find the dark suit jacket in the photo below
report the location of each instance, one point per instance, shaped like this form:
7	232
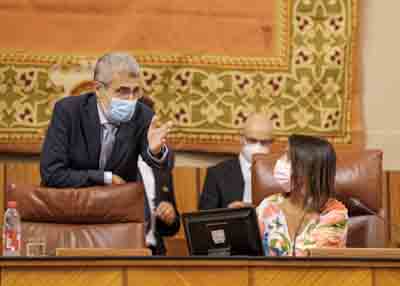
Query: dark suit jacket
164	192
224	184
71	150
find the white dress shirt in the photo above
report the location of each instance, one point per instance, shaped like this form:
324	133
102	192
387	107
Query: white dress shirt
150	190
245	166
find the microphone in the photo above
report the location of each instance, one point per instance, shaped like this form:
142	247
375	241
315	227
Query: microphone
357	203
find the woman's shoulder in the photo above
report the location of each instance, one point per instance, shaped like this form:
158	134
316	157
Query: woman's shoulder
334	213
334	205
273	199
270	203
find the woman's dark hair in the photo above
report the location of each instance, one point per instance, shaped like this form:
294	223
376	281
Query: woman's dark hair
313	162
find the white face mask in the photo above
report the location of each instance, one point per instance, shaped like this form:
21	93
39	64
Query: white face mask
249	150
282	173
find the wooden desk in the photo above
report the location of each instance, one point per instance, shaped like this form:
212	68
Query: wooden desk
107	271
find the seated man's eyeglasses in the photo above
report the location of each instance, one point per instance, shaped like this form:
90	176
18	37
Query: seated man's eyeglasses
263	142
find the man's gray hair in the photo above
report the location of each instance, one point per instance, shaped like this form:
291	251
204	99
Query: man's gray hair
112	63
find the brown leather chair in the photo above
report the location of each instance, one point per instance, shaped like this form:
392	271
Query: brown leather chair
358	175
96	217
84	86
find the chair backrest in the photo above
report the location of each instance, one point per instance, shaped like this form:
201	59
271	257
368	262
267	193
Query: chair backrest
95	217
84	86
358	175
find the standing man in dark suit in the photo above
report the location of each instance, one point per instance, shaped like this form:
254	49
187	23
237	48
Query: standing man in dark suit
159	188
96	138
228	184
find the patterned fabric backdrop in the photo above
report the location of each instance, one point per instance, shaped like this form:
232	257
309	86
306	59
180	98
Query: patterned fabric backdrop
306	87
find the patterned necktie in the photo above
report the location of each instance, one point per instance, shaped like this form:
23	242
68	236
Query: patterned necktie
107	144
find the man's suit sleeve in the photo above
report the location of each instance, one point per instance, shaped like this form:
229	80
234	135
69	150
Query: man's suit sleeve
210	197
54	163
167	194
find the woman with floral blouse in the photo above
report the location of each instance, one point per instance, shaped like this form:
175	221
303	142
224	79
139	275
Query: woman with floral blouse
306	215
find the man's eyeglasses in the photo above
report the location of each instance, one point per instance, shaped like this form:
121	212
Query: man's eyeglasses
124	91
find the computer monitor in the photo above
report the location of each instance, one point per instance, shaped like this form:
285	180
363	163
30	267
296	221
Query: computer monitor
223	232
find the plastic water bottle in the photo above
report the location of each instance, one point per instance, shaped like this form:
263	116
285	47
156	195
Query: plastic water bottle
12	231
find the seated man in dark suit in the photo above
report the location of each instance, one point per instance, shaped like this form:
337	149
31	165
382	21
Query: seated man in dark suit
228	184
96	138
159	188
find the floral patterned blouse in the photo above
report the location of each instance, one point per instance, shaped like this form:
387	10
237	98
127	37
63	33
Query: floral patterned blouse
328	229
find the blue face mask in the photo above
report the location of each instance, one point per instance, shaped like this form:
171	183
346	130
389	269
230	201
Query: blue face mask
121	110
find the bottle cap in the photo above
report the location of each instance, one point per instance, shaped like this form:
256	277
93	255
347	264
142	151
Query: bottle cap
12	204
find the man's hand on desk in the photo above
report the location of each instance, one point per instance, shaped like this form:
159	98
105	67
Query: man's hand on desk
238	205
117	180
166	212
157	136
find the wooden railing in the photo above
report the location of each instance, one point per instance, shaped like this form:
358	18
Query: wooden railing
81	271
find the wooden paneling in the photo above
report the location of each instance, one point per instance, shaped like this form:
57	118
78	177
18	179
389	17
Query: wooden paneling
188	276
62	277
310	276
271	272
22	172
176	245
394	205
385	206
387	277
186	188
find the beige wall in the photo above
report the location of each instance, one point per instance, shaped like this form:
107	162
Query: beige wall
380	74
380	83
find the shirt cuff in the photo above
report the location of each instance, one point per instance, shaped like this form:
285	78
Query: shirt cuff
108	178
163	154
